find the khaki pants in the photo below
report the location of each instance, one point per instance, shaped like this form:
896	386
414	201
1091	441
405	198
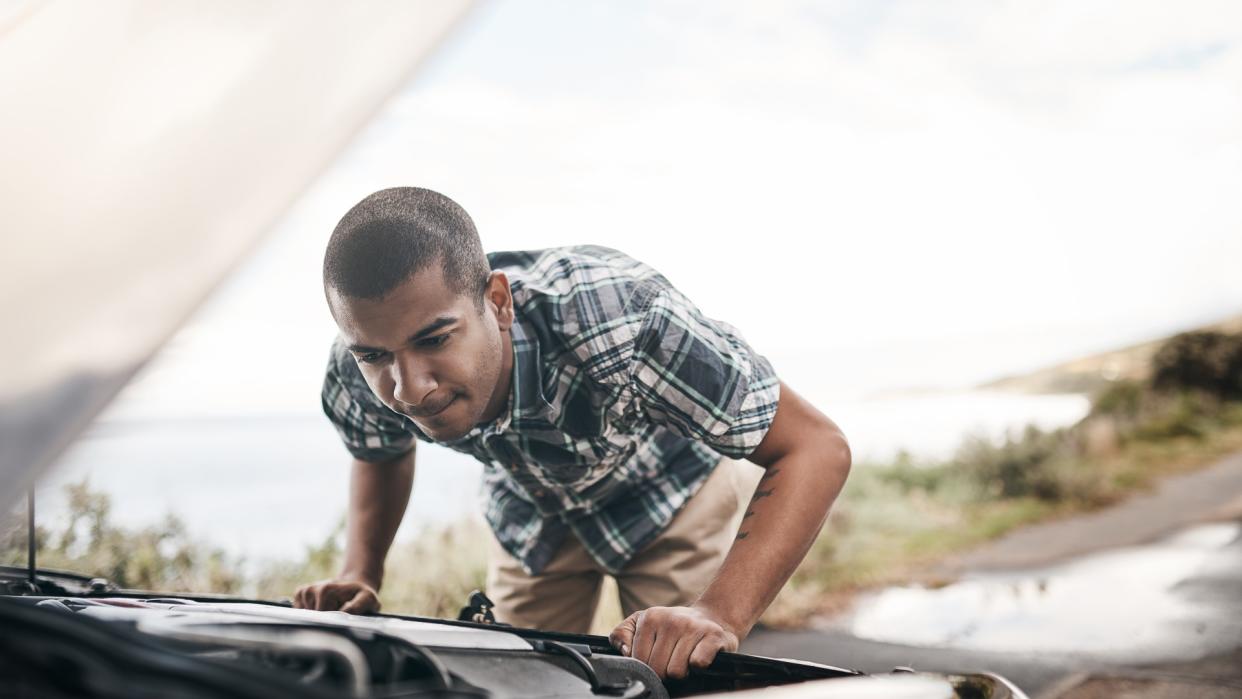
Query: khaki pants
672	570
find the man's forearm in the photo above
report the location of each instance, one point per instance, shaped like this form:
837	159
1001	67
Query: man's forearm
378	496
781	522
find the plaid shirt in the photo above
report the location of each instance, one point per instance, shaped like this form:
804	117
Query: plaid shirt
624	398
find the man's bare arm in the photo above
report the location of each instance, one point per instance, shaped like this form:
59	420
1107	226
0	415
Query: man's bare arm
807	460
378	496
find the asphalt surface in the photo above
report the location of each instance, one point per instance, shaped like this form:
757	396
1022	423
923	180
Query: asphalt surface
1202	652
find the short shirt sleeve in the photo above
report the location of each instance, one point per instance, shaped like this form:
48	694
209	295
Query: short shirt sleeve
699	377
368	428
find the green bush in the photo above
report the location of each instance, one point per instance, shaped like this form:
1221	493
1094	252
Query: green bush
1187	414
1027	465
909	475
1210	362
1172	411
1121	399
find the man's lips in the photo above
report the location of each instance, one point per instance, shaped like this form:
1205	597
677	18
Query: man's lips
430	413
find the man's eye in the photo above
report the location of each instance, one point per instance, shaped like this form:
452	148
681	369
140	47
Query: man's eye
370	357
434	341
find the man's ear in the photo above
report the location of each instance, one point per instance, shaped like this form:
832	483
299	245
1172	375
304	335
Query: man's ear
496	295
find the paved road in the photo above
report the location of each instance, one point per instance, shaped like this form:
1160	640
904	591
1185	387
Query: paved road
1197	612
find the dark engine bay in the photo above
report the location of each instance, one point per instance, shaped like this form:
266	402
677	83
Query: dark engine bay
99	642
111	646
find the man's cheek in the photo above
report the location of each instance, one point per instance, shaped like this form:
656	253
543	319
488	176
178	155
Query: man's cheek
380	386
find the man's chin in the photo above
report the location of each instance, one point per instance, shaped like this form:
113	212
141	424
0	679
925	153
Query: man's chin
444	431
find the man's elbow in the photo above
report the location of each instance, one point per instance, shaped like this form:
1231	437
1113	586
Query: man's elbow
835	450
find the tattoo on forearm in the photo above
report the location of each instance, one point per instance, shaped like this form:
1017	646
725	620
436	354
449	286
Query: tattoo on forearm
759	495
743	535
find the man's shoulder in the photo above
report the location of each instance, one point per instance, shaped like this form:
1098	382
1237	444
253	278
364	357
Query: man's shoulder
337	359
342	377
584	303
580	278
558	262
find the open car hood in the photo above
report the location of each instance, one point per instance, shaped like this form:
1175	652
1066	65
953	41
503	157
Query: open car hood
147	145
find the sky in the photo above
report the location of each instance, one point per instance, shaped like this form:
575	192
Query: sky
880	195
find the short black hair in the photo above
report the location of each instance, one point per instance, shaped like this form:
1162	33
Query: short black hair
394	233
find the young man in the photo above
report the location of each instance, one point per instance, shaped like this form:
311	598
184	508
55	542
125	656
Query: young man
607	411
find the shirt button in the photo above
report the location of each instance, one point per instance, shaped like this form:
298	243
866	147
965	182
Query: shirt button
539	493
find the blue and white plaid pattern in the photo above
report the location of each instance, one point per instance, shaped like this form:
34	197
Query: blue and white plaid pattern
624	398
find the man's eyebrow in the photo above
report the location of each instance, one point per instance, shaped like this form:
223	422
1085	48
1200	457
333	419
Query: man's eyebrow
423	332
432	327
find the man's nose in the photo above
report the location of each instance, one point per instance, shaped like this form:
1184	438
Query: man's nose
412	380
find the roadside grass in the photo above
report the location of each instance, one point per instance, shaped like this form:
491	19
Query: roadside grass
434	573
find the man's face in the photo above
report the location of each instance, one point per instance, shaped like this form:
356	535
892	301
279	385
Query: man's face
431	354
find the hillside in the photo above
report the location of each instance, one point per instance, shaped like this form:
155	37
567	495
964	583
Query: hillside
1085	374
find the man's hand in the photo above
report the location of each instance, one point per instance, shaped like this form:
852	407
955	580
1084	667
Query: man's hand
353	596
378	494
671	640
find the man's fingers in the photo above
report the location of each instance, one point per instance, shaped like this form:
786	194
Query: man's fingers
705	651
312	597
679	658
354	597
622	637
316	596
672	640
644	638
362	603
662	649
333	595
